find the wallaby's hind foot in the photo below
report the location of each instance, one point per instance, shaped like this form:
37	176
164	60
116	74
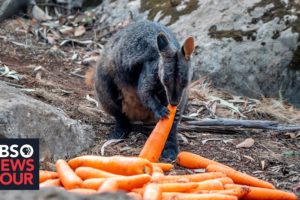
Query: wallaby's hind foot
121	130
170	151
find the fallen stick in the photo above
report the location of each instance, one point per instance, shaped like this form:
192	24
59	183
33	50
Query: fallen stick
225	126
260	124
239	124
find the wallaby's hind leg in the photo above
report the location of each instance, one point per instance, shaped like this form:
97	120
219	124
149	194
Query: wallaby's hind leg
171	147
109	97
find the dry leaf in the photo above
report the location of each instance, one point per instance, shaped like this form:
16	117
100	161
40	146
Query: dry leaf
79	31
51	40
210	139
66	30
249	157
246	143
292	135
183	138
39	14
263	164
107	143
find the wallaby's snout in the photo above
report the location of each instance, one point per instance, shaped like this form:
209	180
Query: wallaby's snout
174	101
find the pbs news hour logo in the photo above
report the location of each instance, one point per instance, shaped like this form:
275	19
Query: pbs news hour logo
19	164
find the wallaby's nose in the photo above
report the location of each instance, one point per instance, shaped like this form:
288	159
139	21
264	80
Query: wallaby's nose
174	102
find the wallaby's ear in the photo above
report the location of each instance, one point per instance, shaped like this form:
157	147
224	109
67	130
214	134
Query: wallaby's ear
188	47
162	41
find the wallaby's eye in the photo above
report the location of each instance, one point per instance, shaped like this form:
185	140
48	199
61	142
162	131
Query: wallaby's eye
166	79
182	82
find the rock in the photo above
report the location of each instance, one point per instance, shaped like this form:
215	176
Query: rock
249	47
59	194
8	8
24	117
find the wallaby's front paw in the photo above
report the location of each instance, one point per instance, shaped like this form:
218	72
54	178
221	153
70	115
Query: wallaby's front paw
161	112
170	151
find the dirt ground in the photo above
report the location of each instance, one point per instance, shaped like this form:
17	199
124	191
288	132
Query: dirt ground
274	156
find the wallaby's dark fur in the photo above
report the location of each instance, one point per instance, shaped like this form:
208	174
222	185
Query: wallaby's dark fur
8	8
143	71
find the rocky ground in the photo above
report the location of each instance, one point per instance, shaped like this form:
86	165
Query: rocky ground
51	70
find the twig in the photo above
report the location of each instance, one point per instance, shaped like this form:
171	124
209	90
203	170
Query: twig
13	84
77	75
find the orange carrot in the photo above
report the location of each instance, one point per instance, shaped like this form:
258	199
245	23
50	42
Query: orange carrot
194	161
67	176
83	191
88	172
239	177
109	185
158	170
164	166
256	193
238	192
177	187
192	196
130	182
209	185
135	196
93	183
225	180
152	192
192	177
50	183
139	190
156	141
45	175
116	164
158	177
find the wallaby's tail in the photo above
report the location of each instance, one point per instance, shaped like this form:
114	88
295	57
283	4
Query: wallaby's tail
90	77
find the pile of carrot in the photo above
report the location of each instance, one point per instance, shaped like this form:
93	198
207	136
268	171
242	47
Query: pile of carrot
144	178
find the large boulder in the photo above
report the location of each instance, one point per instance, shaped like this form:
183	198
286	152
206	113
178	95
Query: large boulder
249	47
22	116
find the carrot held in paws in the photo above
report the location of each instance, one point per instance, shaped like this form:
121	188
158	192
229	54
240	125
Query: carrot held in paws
67	176
115	164
256	193
156	141
194	161
45	175
239	177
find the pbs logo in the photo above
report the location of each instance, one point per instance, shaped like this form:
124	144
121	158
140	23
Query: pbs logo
13	151
26	151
